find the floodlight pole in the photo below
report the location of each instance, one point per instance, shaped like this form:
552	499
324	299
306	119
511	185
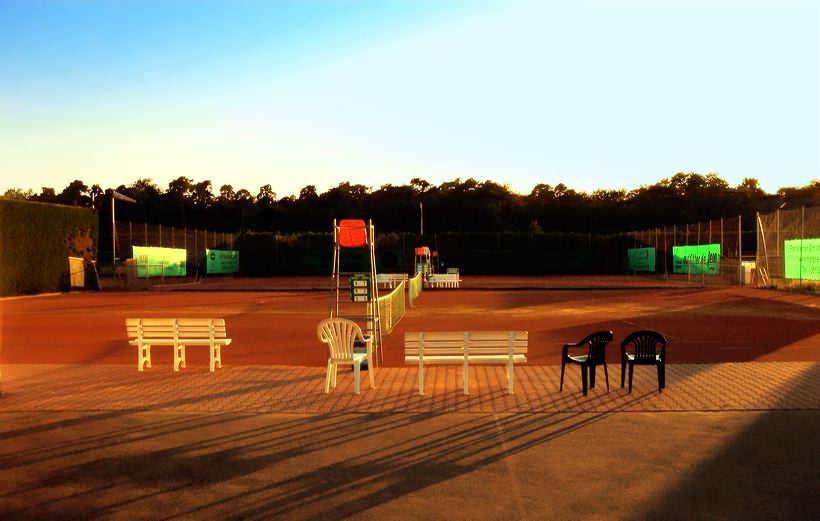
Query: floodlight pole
113	240
116	195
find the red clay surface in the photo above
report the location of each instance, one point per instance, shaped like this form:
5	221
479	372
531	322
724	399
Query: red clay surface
274	327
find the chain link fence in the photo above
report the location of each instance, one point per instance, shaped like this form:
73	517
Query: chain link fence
780	248
193	241
717	251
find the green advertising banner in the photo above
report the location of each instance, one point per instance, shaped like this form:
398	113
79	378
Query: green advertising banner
696	259
802	259
157	262
641	259
221	261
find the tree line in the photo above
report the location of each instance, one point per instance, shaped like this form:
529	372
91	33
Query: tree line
452	206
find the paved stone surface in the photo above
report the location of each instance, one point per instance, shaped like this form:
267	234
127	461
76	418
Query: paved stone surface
286	389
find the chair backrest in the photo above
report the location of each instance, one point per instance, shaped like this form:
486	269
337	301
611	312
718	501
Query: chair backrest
645	343
339	335
597	345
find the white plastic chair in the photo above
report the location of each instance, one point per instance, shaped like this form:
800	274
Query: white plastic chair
339	334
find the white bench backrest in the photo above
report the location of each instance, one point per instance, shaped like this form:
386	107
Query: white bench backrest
443	277
451	343
201	328
186	328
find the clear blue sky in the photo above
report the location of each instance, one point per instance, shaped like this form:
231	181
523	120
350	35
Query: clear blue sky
592	94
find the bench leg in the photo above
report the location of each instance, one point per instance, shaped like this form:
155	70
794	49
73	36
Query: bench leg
179	357
466	379
421	379
510	376
143	356
357	369
215	357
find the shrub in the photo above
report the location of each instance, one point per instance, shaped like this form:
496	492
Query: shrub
36	240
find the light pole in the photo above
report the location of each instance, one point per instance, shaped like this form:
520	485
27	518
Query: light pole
116	195
421	214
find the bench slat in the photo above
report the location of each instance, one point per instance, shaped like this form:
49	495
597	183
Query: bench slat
453	359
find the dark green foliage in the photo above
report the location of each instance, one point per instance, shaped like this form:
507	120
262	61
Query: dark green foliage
36	240
265	254
453	206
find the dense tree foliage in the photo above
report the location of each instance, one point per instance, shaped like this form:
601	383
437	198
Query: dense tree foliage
456	205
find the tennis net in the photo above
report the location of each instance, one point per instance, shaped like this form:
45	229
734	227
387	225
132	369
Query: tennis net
391	309
415	288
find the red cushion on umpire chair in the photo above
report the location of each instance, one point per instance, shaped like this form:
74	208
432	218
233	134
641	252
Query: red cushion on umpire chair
352	233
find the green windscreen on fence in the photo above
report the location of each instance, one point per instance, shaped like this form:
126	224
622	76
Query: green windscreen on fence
802	259
704	258
641	259
221	261
157	262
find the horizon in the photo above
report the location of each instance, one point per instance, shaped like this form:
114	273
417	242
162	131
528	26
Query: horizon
609	95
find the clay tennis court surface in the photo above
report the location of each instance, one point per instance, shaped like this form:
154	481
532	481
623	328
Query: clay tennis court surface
85	436
273	321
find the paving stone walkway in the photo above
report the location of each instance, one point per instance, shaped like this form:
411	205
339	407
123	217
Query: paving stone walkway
286	389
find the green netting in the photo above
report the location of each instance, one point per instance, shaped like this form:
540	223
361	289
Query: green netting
156	262
802	259
221	261
696	259
641	259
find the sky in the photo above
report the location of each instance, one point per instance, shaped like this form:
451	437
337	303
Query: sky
595	94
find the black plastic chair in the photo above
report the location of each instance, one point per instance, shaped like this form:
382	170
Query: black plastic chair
645	344
595	356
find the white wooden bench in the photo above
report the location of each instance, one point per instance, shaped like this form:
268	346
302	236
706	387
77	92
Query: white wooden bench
179	333
466	347
443	280
390	280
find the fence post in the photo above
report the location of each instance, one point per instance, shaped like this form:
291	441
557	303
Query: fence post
802	236
722	246
740	249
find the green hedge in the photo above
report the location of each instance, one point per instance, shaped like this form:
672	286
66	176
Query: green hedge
36	240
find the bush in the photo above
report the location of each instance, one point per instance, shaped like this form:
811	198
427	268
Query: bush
36	240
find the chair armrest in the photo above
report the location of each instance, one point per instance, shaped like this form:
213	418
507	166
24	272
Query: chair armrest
368	342
568	346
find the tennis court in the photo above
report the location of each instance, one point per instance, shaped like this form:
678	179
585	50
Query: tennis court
273	321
